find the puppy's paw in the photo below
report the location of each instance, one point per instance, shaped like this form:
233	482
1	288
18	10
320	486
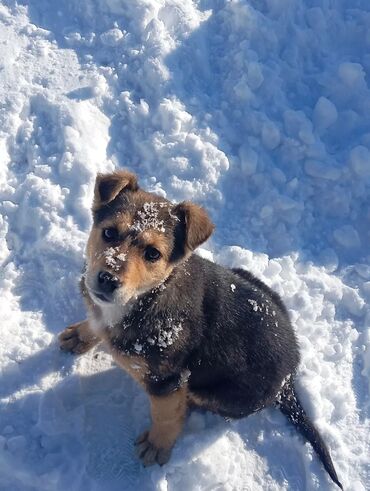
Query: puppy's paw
77	339
149	453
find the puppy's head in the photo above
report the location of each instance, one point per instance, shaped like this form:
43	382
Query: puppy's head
137	239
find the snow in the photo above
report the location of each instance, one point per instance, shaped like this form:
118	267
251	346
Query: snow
360	161
148	218
113	257
324	114
259	112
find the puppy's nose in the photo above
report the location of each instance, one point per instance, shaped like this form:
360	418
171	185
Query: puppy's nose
107	282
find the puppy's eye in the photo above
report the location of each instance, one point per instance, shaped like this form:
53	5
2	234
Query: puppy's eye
110	234
152	254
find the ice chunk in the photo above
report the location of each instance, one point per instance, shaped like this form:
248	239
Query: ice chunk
353	301
16	443
352	74
321	170
347	236
360	161
329	260
270	135
255	77
248	160
273	269
324	114
112	37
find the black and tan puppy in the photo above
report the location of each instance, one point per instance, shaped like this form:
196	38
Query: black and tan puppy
192	333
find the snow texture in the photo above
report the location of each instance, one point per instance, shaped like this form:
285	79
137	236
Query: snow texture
148	218
259	111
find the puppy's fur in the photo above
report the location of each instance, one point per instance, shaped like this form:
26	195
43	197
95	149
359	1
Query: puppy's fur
191	332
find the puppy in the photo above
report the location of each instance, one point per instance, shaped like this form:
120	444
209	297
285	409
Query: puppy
191	332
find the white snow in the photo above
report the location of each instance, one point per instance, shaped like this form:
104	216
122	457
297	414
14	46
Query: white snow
148	218
114	258
360	161
324	114
257	110
167	335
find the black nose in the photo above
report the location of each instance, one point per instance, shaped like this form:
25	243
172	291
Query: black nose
107	282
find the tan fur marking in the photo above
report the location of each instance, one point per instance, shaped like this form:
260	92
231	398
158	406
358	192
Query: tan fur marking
195	400
201	402
168	415
96	246
122	220
160	242
78	338
156	239
140	275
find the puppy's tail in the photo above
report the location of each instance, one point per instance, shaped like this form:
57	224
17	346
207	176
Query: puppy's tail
289	404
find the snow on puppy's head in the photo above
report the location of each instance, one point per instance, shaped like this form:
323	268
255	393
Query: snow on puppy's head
137	238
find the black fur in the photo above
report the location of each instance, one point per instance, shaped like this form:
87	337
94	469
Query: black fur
290	405
119	203
233	333
231	339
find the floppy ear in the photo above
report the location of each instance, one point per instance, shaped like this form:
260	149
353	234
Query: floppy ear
108	186
195	223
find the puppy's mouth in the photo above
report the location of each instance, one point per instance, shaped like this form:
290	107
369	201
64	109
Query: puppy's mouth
101	296
118	296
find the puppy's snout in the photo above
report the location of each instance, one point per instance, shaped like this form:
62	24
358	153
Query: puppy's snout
107	282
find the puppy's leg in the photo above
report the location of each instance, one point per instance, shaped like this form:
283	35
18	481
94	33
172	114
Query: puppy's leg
78	338
168	415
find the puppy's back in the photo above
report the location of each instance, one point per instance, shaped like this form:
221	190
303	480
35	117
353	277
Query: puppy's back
248	338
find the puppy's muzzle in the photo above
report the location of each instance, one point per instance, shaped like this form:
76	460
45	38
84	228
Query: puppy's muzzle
106	284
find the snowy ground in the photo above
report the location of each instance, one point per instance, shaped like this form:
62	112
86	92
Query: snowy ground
259	110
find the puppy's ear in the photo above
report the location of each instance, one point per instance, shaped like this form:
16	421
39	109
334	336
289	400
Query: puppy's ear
108	186
196	226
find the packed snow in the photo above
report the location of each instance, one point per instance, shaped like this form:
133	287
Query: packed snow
259	111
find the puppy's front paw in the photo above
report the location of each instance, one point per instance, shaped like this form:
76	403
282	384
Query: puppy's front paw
149	453
77	339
